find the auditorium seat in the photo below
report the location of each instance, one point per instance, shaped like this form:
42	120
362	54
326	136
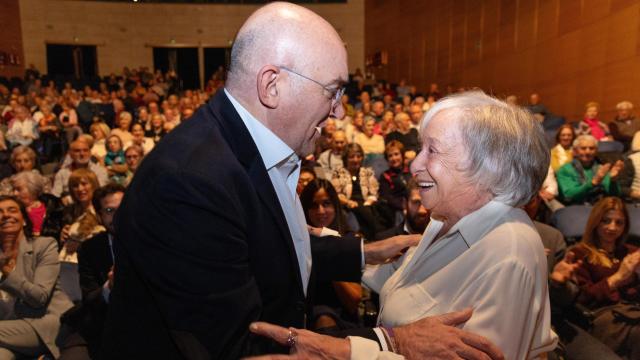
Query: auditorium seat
571	221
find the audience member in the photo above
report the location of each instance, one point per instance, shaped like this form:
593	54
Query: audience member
99	131
393	181
79	220
590	125
331	160
95	267
416	216
80	159
31	300
607	277
625	125
157	130
124	124
415	110
562	153
405	134
584	179
372	144
22	128
336	300
69	120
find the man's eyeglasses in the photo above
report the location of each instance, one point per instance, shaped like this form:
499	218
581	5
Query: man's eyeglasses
334	94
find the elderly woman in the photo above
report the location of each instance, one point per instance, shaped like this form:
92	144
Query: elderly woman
23	159
584	179
28	187
372	144
99	131
31	300
607	277
481	159
562	153
124	124
625	125
591	125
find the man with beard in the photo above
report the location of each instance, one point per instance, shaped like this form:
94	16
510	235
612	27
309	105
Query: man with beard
416	216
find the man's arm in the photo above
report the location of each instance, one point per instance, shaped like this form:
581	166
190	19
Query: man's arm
434	337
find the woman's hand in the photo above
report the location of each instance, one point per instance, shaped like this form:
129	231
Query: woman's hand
626	270
64	234
72	246
9	262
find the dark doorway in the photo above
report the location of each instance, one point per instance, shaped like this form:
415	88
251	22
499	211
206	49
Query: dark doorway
213	59
184	61
79	61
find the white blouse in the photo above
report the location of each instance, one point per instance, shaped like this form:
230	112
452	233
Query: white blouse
493	261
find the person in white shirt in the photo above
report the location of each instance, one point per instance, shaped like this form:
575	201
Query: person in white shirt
481	160
22	129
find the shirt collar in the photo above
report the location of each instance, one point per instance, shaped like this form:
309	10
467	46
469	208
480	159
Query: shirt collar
272	149
475	225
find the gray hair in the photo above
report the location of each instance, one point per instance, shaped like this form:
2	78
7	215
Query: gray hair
507	154
33	180
584	138
624	105
19	150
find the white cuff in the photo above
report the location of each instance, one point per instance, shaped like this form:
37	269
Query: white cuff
106	291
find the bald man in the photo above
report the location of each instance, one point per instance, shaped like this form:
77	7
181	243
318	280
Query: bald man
211	234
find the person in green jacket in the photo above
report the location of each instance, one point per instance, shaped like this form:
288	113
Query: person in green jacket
585	179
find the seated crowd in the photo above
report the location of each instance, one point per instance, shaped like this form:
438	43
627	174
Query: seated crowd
69	153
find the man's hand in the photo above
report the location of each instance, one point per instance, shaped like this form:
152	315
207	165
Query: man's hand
308	345
437	337
380	252
600	174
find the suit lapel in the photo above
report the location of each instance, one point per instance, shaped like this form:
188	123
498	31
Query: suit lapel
235	132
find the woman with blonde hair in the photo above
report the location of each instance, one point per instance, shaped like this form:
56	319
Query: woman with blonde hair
79	219
100	131
562	153
591	125
607	277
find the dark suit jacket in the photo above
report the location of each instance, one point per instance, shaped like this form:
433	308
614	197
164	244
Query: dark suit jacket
203	249
94	264
394	231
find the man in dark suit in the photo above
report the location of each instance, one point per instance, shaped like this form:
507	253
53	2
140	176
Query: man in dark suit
416	216
211	235
95	267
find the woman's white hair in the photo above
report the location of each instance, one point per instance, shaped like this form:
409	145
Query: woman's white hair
34	182
507	154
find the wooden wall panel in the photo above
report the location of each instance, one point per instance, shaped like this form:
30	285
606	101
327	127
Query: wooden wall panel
569	51
11	37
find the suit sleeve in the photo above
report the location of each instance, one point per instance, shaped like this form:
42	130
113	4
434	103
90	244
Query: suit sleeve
337	258
192	253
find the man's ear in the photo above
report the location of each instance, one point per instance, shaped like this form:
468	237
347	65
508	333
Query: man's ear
268	86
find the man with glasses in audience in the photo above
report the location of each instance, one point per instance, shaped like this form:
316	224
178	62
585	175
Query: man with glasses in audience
95	267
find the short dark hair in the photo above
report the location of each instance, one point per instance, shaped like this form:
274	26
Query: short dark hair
103	192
